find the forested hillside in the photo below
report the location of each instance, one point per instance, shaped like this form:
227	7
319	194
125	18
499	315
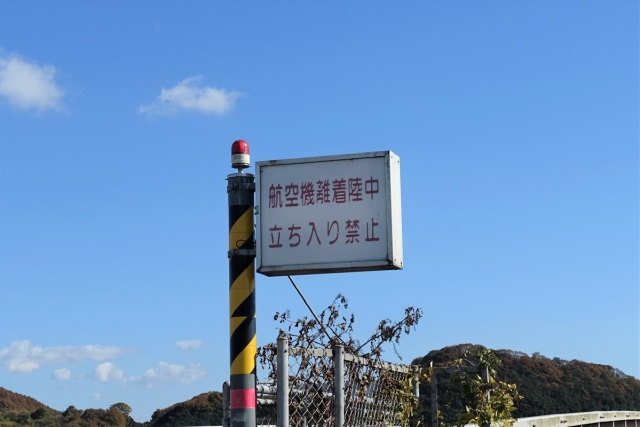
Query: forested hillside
549	386
203	410
18	410
10	401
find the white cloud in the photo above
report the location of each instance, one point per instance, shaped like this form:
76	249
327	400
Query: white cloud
61	374
187	95
27	85
23	358
161	373
186	345
96	396
164	372
108	372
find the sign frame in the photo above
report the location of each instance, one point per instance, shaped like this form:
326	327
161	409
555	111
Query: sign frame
394	253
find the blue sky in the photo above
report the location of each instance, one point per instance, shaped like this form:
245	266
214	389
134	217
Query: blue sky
516	123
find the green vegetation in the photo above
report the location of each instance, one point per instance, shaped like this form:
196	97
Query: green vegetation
71	417
486	401
202	410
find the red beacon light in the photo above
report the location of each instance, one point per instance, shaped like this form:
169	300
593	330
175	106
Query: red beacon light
240	155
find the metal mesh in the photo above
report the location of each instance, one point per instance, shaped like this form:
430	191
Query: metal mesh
370	390
375	392
266	415
311	402
372	395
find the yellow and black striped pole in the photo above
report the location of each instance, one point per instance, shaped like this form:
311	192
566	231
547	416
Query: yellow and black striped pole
242	299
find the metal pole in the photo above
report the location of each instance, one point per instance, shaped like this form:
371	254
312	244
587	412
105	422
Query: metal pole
282	391
225	404
416	392
338	384
484	375
416	381
242	302
434	400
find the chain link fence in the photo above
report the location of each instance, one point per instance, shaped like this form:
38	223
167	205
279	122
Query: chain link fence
373	394
328	388
311	387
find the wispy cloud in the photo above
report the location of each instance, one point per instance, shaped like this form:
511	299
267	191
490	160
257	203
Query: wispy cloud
22	357
61	374
163	372
186	345
189	96
96	396
26	85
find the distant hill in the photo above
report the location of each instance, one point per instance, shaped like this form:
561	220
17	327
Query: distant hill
202	410
10	401
549	386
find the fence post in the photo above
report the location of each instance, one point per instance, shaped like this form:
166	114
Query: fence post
338	384
484	375
225	404
434	400
416	381
282	382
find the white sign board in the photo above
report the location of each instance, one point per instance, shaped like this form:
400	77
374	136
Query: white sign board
329	214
